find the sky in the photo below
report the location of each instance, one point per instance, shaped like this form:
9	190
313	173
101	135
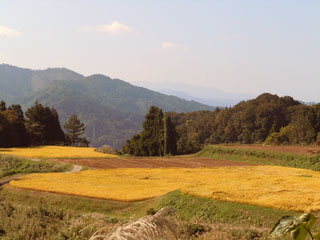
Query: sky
239	46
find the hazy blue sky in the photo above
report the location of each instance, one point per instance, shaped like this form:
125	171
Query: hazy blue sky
237	46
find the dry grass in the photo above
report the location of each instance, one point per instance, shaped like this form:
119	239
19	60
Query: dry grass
277	187
163	225
54	152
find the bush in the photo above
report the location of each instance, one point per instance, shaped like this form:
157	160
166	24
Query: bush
278	138
273	139
106	149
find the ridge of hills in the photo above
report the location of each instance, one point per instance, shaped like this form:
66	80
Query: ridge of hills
111	109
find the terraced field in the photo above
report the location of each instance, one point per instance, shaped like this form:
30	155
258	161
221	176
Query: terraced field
269	186
230	188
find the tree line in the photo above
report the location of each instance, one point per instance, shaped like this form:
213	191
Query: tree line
39	125
267	119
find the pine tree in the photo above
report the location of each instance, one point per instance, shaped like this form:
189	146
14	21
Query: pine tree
169	136
75	129
43	125
152	134
158	137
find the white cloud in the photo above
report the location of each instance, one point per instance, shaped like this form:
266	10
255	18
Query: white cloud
115	28
168	45
9	32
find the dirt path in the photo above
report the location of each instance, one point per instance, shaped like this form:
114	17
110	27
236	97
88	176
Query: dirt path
8	179
76	168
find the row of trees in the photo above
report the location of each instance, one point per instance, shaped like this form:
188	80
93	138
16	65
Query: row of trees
267	119
39	125
158	137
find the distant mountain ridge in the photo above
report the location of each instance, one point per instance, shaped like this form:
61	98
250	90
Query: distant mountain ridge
204	95
112	109
22	81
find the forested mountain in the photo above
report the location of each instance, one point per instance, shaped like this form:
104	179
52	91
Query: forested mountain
111	109
266	119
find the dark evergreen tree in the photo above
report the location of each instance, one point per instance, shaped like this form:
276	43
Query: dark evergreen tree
17	126
152	134
158	137
3	125
12	130
56	132
75	129
170	136
43	125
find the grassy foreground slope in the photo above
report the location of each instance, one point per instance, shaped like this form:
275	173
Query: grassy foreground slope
55	216
261	157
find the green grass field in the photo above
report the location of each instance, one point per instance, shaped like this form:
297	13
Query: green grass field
13	165
261	157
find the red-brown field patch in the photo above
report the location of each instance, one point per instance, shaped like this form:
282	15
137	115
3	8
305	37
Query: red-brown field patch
152	162
303	150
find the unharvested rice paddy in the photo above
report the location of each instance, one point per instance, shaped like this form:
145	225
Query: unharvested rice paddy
54	152
276	187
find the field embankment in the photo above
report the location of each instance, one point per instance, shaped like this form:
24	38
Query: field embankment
268	186
46	152
293	149
298	157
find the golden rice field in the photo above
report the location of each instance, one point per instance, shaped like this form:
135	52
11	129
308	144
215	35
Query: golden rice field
277	187
54	152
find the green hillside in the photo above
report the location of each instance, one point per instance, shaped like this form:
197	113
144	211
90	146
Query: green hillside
112	109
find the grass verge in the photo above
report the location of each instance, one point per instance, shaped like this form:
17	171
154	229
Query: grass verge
261	157
13	165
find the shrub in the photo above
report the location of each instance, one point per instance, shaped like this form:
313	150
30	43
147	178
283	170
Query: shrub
106	149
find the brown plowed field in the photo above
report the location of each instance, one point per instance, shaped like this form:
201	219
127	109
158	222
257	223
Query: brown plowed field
152	162
303	150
